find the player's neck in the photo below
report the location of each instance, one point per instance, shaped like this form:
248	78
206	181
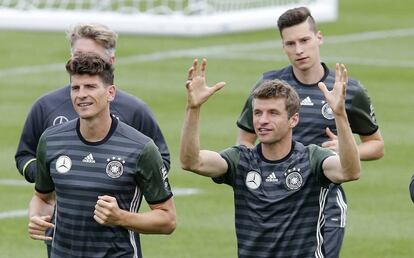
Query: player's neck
97	128
309	76
277	150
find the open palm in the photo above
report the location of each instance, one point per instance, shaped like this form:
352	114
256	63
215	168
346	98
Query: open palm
197	89
336	97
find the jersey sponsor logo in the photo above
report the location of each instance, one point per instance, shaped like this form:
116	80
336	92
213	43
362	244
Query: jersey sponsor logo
89	159
115	167
293	180
272	178
60	120
253	180
327	111
306	102
63	164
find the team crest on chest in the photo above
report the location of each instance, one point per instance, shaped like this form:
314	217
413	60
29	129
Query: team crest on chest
327	111
253	180
115	167
63	164
293	179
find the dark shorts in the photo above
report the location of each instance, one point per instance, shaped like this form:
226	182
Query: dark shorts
333	238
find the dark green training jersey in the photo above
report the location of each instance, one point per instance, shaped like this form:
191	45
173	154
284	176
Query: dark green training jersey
314	117
126	165
278	204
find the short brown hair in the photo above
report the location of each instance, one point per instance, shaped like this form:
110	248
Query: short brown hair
279	89
96	32
294	17
91	64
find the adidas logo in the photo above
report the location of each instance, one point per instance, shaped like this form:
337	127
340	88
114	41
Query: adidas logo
89	159
306	102
272	178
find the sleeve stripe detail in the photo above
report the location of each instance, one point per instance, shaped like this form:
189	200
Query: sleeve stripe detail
26	165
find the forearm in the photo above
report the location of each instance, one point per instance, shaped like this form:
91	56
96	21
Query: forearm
371	146
41	206
190	140
157	221
347	149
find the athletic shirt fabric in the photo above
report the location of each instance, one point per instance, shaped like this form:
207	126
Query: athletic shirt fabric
314	117
278	204
126	165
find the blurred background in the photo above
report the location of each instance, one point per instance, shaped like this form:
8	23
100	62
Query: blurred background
374	38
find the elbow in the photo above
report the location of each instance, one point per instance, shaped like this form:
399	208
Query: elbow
170	225
187	164
170	228
353	174
187	167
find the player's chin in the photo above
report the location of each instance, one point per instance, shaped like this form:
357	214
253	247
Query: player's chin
85	115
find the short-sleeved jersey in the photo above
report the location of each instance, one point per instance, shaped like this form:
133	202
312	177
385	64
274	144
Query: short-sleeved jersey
56	108
126	165
278	204
314	117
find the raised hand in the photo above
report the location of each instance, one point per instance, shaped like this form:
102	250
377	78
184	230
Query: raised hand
336	97
197	89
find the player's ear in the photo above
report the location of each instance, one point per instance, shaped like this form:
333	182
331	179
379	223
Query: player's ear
111	93
319	36
294	120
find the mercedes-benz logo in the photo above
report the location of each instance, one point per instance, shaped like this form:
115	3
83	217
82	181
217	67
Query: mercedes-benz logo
63	164
60	120
253	180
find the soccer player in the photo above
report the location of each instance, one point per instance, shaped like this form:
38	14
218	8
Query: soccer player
301	42
56	107
280	186
99	169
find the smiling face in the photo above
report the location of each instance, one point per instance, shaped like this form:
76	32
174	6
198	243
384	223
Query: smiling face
90	96
301	45
271	120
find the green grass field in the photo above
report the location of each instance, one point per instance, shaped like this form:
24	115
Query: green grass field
373	37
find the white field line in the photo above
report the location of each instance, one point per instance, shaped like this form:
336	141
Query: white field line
329	59
24	213
13	214
220	50
15	182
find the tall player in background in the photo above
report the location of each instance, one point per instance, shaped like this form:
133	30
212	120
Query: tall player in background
55	107
301	41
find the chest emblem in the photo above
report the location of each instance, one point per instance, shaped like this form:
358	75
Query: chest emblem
306	102
294	179
63	164
115	167
253	180
272	178
60	120
327	112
